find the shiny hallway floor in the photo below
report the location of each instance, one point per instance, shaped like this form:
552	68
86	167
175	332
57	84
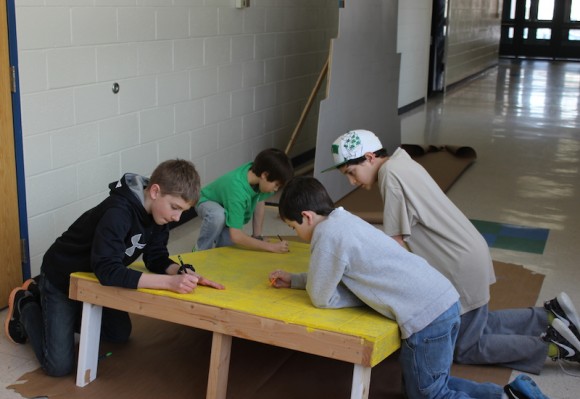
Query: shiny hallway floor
522	119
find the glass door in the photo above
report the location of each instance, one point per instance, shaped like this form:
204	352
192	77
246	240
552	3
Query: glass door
541	29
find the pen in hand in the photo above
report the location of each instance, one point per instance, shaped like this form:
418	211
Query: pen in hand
183	268
280	238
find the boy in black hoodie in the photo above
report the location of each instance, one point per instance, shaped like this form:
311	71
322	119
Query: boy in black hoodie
104	240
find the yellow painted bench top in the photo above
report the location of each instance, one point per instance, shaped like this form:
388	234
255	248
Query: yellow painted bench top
244	273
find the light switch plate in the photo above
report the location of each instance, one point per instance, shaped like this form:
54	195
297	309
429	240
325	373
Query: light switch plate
242	3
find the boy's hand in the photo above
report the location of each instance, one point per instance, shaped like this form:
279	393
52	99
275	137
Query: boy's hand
279	247
183	283
208	283
280	279
200	279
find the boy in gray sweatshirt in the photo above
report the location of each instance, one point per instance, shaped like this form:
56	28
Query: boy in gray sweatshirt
355	264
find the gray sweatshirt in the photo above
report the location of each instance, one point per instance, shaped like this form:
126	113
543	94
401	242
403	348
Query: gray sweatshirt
353	263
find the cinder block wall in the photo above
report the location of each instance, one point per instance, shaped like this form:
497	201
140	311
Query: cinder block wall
197	79
473	40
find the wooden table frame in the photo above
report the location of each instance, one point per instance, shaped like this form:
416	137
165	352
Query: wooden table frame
224	323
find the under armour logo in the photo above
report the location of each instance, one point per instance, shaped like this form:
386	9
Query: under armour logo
135	241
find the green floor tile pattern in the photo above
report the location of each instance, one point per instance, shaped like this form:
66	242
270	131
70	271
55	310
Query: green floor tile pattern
512	237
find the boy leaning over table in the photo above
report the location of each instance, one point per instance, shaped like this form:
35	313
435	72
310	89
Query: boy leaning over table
420	217
132	221
352	263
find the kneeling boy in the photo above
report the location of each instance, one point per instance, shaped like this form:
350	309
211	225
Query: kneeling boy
353	263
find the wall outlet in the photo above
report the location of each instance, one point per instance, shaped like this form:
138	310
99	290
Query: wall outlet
242	3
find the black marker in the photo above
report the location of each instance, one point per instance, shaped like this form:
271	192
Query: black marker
280	238
184	267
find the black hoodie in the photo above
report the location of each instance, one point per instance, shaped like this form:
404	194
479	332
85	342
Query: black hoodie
109	237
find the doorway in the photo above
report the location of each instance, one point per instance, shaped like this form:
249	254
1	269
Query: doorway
437	49
541	29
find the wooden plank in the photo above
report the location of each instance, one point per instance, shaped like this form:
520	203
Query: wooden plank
89	344
307	107
219	366
361	382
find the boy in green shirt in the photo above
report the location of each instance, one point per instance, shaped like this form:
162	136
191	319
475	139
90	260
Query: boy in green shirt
230	201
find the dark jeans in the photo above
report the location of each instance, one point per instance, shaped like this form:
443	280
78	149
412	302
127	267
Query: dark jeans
51	328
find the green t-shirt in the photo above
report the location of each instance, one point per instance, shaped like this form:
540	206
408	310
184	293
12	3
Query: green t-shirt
233	192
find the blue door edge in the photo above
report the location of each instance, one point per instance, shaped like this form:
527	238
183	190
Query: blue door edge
18	145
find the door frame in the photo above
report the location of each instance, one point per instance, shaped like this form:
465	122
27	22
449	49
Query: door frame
557	47
438	47
18	143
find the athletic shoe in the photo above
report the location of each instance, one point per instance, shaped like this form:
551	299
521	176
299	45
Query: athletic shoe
523	387
12	326
31	285
568	344
563	309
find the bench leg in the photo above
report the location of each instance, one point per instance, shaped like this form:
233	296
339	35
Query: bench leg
219	366
89	344
361	382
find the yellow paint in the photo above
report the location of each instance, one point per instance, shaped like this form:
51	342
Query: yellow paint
245	276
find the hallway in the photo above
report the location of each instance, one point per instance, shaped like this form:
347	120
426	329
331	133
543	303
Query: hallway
523	120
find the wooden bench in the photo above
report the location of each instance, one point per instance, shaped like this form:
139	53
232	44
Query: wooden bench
248	308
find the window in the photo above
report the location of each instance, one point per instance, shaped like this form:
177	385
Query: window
574	34
545	10
513	9
543	33
575	10
528	6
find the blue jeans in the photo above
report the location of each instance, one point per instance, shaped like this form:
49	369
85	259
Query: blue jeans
51	328
213	230
426	359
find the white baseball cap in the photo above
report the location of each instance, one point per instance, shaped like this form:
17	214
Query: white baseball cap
352	145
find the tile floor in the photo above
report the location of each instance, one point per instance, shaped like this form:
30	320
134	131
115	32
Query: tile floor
523	120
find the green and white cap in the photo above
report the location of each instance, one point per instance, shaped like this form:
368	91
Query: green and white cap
353	145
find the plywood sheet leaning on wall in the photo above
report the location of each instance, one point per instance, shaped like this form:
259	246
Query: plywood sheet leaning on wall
363	83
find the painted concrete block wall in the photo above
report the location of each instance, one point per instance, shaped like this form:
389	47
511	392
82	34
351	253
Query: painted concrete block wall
413	41
473	41
199	79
